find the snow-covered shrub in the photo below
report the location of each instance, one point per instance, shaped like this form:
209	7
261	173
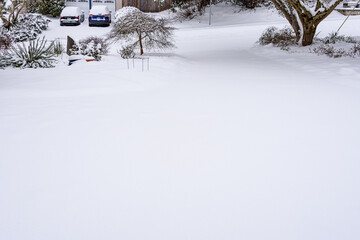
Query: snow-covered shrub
28	27
5	60
37	54
248	4
336	52
90	50
335	37
330	51
282	38
188	12
104	45
136	29
336	46
355	50
47	7
189	9
92	47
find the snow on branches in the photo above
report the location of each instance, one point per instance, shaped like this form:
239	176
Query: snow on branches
305	15
139	30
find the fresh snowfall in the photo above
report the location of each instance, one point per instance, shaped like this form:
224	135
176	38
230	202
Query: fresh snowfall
217	139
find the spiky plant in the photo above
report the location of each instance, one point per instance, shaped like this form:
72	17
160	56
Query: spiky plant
38	54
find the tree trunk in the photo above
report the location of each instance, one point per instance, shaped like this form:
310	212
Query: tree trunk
308	35
296	12
297	30
140	43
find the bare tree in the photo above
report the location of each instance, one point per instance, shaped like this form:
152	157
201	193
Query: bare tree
137	29
15	8
305	15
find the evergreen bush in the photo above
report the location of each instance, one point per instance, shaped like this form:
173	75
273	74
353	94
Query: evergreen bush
189	9
28	27
47	7
248	4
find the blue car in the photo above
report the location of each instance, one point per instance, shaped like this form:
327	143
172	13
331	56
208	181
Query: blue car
99	16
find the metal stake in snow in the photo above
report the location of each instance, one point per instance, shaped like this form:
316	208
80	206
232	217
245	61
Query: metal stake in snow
210	14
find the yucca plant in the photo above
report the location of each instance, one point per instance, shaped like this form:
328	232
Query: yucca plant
38	54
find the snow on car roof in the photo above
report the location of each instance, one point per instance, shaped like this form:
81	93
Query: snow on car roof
99	9
70	11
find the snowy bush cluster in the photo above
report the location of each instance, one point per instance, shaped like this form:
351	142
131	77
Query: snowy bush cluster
137	30
248	4
36	54
28	27
336	46
282	38
92	47
189	9
336	38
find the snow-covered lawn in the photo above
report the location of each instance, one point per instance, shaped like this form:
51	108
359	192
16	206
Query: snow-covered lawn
221	139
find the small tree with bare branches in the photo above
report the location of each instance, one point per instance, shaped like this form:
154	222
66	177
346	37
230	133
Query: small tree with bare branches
305	15
139	30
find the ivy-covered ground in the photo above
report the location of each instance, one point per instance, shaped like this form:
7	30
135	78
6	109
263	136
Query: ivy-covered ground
220	139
